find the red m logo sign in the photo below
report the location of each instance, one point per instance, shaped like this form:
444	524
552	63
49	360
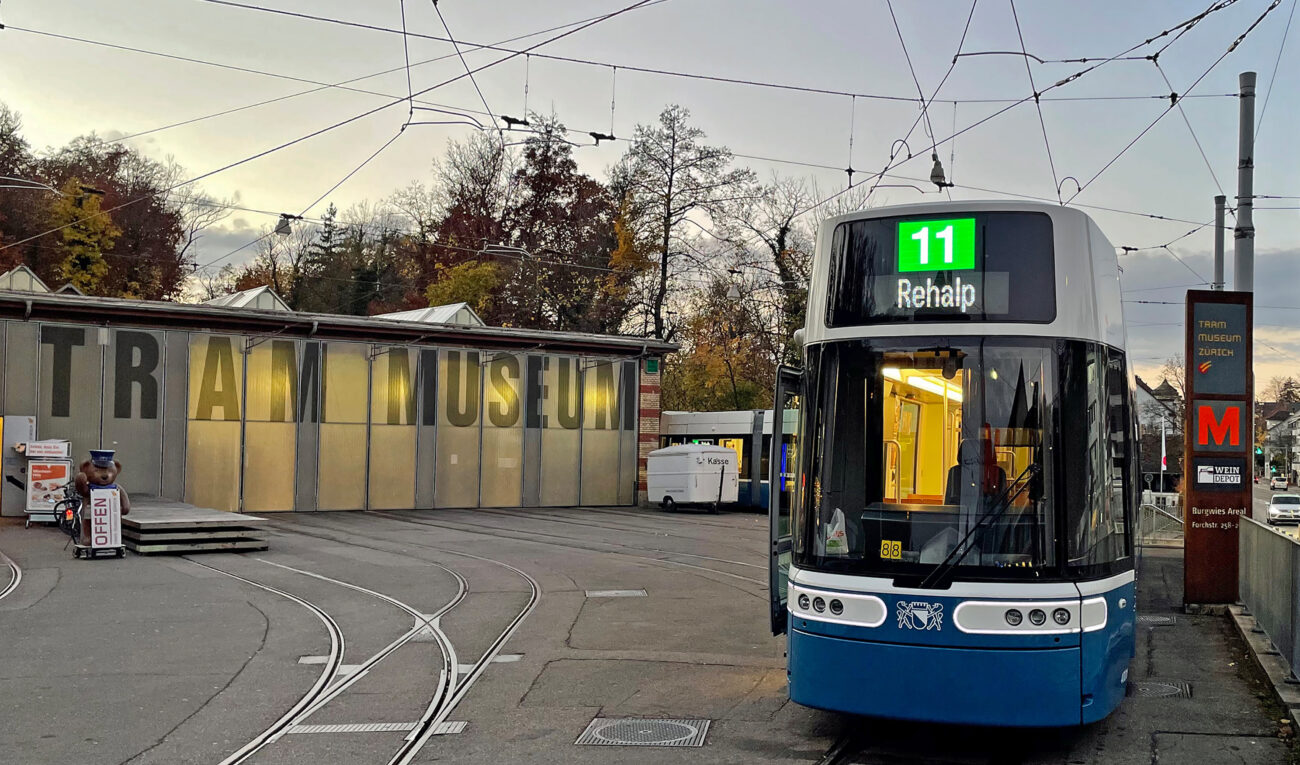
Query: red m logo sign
1226	431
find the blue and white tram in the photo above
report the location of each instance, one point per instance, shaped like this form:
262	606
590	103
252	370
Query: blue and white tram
956	530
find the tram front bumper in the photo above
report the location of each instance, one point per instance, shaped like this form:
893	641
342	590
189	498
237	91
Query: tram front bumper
1011	687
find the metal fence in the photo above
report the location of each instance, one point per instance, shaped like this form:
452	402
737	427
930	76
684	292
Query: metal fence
1159	527
1269	566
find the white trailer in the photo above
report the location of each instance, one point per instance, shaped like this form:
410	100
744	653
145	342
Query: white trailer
693	474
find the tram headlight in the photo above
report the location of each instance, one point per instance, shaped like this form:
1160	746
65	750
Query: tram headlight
1037	617
1061	616
819	605
837	607
804	603
1014	617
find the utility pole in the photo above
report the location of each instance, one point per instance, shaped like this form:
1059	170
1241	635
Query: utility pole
1243	251
1219	202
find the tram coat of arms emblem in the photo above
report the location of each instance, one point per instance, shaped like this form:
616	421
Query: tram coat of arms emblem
920	615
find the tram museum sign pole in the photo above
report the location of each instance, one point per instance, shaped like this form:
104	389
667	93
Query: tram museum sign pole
1218	436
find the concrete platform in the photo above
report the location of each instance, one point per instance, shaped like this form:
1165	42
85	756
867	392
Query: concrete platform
165	526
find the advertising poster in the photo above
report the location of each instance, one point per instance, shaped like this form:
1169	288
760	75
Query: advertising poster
45	480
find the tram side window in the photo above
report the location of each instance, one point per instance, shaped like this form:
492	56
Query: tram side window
1096	496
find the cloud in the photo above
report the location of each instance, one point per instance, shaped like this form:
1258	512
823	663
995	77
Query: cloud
1155	285
218	241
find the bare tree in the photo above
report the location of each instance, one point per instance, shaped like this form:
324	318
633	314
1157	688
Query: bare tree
772	215
671	176
1285	390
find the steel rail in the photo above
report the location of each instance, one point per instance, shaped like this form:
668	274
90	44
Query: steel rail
14	580
447	676
464	528
327	676
420	735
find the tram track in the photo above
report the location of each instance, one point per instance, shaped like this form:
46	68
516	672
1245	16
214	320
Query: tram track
550	519
682	518
447	679
451	687
15	578
531	538
328	673
319	696
421	735
583	520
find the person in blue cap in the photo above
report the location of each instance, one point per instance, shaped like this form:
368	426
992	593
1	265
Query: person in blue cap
99	472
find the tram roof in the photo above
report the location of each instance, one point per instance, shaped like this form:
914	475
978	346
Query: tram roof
1088	294
957	205
154	314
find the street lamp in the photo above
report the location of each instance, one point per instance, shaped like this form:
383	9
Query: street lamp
936	173
284	227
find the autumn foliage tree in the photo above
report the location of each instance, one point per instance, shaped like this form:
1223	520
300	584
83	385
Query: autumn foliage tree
99	215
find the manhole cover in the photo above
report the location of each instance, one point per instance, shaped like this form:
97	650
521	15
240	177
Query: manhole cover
1160	689
1155	620
643	732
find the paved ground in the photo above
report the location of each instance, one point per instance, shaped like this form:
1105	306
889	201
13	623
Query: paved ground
167	660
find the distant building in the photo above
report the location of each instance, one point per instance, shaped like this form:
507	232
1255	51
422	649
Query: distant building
1160	430
241	404
1282	438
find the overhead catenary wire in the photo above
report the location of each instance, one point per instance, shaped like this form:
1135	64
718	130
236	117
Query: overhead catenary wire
1274	4
1184	25
1051	163
332	127
1273	78
660	71
341	85
925	111
456	46
1179	103
924	106
955	132
406	52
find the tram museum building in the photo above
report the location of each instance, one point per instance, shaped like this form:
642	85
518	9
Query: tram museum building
245	406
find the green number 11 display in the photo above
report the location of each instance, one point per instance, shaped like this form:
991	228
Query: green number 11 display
936	245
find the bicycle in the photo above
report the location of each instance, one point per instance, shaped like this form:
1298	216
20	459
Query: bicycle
68	513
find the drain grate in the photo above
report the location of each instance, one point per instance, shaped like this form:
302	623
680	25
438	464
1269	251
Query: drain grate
1154	620
632	731
615	593
1160	689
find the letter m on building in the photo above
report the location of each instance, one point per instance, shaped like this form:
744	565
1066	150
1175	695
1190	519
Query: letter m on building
1225	430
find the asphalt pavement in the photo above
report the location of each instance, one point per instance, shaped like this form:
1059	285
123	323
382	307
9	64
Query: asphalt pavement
1262	496
499	636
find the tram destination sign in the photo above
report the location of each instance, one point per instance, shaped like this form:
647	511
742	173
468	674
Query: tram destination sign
971	266
936	245
1218	439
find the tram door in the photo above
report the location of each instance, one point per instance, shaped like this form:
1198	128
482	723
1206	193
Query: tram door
783	469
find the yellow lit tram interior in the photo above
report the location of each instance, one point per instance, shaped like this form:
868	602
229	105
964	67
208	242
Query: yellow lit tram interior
921	413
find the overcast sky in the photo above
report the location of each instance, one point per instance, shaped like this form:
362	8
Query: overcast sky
65	88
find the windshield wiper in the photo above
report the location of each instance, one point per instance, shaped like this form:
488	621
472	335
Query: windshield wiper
1000	504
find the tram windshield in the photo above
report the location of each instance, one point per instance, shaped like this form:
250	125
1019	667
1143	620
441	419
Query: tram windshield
933	450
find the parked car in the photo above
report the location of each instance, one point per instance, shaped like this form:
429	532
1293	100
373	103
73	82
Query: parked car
1277	482
1284	508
